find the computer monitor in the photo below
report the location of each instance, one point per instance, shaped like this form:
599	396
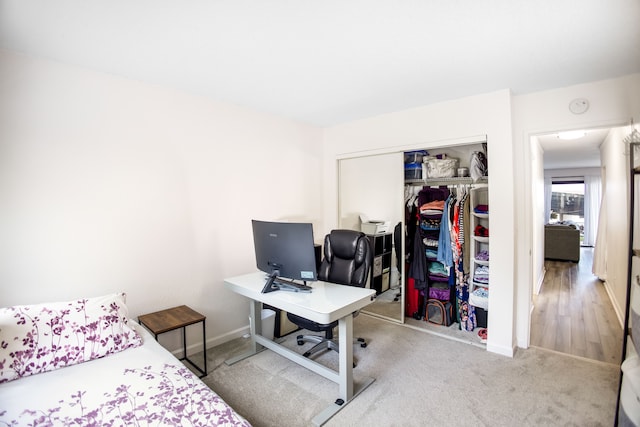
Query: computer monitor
284	250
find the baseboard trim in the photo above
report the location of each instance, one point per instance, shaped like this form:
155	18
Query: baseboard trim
540	281
619	315
196	347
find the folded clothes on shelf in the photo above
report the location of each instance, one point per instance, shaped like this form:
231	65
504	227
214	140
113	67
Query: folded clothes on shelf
481	274
430	223
481	231
433	208
438	269
481	209
430	242
479	298
483	255
433	205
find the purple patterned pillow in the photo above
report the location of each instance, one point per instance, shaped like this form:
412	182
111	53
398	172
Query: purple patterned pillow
44	337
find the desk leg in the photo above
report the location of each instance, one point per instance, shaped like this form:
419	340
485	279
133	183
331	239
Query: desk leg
255	324
255	327
345	338
347	388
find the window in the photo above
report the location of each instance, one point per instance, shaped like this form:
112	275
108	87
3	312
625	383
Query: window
567	203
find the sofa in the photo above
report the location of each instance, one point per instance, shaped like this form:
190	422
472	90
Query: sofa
562	242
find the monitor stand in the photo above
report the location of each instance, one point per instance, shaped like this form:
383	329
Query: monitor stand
274	283
270	286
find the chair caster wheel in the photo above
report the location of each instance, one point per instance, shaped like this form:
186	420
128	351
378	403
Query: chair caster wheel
360	339
300	342
307	354
363	345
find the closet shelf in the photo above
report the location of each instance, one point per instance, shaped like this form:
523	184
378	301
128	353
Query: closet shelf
477	300
446	181
479	222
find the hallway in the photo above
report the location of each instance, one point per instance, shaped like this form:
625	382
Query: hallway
573	313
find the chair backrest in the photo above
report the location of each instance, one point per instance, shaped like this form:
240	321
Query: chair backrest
347	258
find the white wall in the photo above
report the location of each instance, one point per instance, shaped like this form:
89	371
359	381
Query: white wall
616	203
571	172
612	103
440	125
109	184
537	217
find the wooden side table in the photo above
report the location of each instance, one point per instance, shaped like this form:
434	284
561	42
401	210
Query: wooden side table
176	318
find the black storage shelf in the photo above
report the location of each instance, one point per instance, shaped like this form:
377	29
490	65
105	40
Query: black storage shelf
382	246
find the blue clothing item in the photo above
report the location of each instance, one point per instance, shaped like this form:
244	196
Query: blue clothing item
445	255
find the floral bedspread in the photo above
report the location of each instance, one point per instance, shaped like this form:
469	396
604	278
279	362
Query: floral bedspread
143	386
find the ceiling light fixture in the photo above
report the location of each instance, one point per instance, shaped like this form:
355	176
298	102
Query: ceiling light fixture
572	134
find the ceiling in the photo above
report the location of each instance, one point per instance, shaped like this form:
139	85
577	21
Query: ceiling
333	61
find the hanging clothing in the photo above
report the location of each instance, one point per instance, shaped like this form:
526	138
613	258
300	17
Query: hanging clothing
411	221
445	255
466	312
418	268
464	219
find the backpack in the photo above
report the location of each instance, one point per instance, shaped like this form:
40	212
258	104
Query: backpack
478	165
439	312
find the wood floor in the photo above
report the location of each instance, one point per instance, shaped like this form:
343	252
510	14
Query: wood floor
573	313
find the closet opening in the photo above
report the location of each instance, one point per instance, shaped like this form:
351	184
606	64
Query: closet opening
446	276
384	186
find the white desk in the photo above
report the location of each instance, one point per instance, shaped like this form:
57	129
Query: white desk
327	303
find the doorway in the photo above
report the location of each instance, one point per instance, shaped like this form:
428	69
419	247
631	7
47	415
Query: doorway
572	311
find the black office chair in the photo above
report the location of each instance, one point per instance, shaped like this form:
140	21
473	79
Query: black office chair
347	261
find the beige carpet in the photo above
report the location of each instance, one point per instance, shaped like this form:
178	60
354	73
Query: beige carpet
420	380
384	305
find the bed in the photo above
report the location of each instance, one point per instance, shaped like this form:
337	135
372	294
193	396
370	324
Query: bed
86	363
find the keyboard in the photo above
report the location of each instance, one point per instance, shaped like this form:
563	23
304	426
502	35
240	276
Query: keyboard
292	286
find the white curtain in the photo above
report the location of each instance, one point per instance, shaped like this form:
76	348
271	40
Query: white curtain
592	199
547	199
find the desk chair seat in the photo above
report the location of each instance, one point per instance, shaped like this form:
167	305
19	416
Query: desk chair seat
347	261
